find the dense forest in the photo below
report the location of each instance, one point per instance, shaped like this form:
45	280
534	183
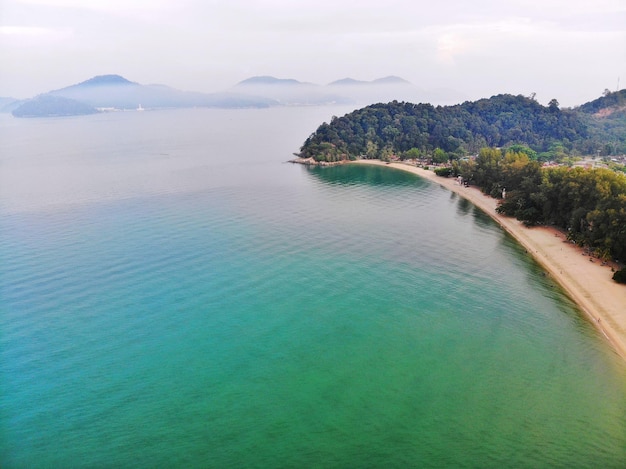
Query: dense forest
499	143
589	205
408	130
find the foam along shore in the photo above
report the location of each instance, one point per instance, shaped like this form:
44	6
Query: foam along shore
584	278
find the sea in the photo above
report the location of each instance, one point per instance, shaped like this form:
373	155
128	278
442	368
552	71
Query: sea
174	293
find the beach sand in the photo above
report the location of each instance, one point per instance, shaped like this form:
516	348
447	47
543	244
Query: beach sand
584	279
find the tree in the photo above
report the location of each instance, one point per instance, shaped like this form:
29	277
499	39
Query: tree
412	154
553	105
518	148
440	156
371	150
487	174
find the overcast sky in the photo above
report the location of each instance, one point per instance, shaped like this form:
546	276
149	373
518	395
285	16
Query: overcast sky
571	50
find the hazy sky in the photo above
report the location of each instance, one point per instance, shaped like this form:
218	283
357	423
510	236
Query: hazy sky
566	49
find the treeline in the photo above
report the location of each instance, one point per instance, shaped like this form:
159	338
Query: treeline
588	204
399	128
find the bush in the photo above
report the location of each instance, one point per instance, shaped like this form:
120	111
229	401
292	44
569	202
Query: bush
445	172
620	276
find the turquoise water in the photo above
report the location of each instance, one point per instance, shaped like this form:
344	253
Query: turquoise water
173	295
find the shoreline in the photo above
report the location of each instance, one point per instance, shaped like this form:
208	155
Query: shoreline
585	280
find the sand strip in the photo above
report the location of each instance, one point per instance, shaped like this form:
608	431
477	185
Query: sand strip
585	280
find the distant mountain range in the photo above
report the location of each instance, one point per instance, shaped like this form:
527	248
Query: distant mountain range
114	92
344	91
290	92
390	80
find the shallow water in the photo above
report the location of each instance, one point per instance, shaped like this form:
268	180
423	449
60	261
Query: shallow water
173	294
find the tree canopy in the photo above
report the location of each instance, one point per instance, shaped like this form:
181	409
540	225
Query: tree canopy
588	204
500	121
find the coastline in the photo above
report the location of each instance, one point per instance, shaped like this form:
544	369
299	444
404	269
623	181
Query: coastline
584	279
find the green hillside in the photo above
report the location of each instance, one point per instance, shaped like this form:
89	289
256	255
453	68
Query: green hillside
379	130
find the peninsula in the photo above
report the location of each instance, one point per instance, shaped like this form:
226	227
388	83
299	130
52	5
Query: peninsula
584	278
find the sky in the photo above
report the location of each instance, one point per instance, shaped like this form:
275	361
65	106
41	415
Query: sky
571	50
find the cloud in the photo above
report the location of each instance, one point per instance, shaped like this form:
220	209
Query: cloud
484	46
103	5
450	46
24	31
569	7
29	35
150	10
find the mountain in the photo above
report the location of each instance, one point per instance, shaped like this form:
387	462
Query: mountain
47	105
105	80
268	80
391	80
114	91
380	90
348	82
392	88
290	92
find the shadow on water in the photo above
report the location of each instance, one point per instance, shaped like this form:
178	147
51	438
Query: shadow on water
481	219
363	174
538	280
463	206
533	279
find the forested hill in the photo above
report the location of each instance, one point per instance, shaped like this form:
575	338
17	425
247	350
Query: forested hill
607	104
380	130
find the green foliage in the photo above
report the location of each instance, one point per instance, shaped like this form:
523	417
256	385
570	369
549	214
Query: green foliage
444	172
608	100
386	153
519	148
411	154
620	276
589	204
328	152
440	156
501	121
553	105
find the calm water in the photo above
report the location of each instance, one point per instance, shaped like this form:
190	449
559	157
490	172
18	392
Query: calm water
174	295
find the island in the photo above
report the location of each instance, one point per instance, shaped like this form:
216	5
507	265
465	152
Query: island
53	106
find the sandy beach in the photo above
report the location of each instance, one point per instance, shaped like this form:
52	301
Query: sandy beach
584	278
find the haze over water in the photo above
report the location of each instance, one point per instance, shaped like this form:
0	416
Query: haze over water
173	294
